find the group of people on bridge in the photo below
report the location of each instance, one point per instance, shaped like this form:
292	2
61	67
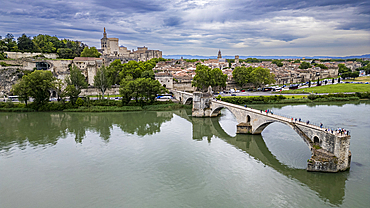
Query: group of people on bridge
338	131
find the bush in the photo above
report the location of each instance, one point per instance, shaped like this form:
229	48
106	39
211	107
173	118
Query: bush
80	102
312	96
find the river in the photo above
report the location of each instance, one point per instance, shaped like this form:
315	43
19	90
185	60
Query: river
169	159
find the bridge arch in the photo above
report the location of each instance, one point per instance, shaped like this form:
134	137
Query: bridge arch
188	101
305	138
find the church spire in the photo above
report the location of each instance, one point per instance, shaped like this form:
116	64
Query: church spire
219	54
104	34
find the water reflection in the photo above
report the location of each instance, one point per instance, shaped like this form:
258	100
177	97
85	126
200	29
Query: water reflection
330	187
39	129
46	128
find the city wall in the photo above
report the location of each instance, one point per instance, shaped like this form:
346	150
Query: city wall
18	55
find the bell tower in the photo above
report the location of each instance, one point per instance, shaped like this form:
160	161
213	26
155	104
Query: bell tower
219	54
104	42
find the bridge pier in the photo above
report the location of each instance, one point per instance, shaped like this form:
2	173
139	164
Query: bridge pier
244	128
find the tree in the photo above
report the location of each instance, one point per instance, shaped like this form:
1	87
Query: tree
114	70
305	65
101	80
10	42
322	66
242	75
90	52
343	68
37	85
127	89
65	53
206	77
22	90
218	78
25	43
58	86
262	76
309	83
148	74
144	90
75	82
277	62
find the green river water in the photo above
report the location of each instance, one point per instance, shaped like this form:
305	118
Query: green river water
169	159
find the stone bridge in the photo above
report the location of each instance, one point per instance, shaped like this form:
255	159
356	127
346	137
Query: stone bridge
330	151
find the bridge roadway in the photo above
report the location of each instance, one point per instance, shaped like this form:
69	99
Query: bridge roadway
330	151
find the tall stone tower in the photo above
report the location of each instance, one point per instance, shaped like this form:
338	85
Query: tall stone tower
237	59
104	42
219	54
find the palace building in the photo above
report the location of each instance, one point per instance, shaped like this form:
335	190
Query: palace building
111	51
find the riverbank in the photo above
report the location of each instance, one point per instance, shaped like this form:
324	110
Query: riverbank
281	99
336	88
99	106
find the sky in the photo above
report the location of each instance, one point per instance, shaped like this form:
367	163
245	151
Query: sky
201	27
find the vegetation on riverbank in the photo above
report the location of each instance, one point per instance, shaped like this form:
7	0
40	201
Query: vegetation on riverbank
277	99
337	88
90	106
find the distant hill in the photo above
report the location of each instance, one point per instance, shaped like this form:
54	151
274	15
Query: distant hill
263	57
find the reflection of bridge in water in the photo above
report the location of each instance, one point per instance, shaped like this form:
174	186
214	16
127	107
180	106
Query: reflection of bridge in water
330	152
255	146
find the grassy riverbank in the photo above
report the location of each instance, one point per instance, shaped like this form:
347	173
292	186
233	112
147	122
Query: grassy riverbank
92	106
280	99
337	88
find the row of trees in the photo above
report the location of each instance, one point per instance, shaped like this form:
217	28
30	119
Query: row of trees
39	83
65	48
205	77
258	76
140	84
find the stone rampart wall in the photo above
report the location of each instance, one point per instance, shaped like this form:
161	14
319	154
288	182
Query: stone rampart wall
18	55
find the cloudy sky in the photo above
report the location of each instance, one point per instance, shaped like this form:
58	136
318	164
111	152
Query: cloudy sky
201	27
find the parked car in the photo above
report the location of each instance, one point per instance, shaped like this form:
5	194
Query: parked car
233	95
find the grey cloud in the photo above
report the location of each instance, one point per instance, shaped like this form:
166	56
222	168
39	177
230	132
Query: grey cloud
172	21
132	6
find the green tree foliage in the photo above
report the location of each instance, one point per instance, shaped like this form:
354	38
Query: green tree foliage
101	80
25	44
252	60
90	52
148	74
36	85
113	71
65	48
58	86
365	68
22	89
277	62
242	75
350	74
10	43
144	90
343	69
75	82
262	76
305	65
297	61
322	66
206	76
